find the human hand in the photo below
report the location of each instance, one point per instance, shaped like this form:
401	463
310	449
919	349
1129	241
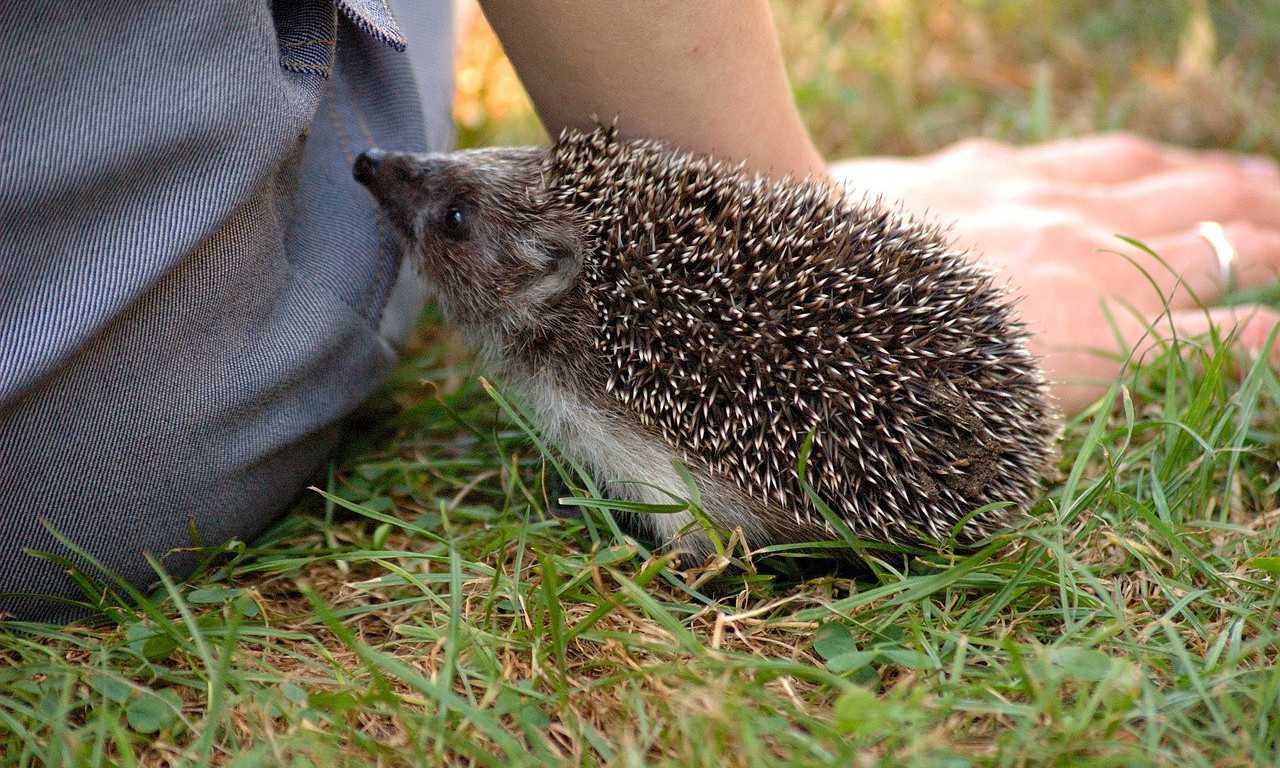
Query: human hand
1046	218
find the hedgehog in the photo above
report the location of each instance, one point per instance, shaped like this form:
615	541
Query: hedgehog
780	340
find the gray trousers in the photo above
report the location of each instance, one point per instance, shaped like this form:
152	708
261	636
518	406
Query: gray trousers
193	289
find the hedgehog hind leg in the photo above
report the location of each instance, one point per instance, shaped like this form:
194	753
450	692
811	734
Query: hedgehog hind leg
631	463
722	506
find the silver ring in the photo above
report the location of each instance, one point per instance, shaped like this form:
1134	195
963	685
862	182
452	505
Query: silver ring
1216	236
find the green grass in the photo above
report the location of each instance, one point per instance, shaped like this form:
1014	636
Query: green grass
422	609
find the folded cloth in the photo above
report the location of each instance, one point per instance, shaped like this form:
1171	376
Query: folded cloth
193	289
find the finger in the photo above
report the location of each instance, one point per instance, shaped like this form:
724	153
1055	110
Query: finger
1166	202
1252	327
1119	157
1105	159
1078	376
1189	261
1179	200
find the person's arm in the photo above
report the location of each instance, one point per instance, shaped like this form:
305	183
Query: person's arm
705	75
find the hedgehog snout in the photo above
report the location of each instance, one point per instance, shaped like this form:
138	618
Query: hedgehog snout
394	180
365	168
389	174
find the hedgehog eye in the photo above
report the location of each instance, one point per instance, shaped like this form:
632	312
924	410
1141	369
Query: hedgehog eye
454	221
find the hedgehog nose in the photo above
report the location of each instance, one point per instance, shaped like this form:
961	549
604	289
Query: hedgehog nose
365	168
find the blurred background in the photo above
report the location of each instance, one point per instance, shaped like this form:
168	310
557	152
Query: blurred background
908	76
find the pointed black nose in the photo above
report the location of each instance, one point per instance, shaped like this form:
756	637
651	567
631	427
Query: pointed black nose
366	165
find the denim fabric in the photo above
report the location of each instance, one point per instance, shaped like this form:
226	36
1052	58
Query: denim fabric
192	286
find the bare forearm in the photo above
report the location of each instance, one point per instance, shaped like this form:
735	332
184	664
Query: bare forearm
705	75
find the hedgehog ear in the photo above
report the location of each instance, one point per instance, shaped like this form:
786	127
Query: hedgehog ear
561	264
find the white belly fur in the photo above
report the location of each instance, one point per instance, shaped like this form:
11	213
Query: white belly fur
615	450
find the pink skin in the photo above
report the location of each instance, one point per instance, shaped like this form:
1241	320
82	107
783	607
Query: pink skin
1047	217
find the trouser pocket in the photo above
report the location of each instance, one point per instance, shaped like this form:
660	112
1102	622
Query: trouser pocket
307	31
